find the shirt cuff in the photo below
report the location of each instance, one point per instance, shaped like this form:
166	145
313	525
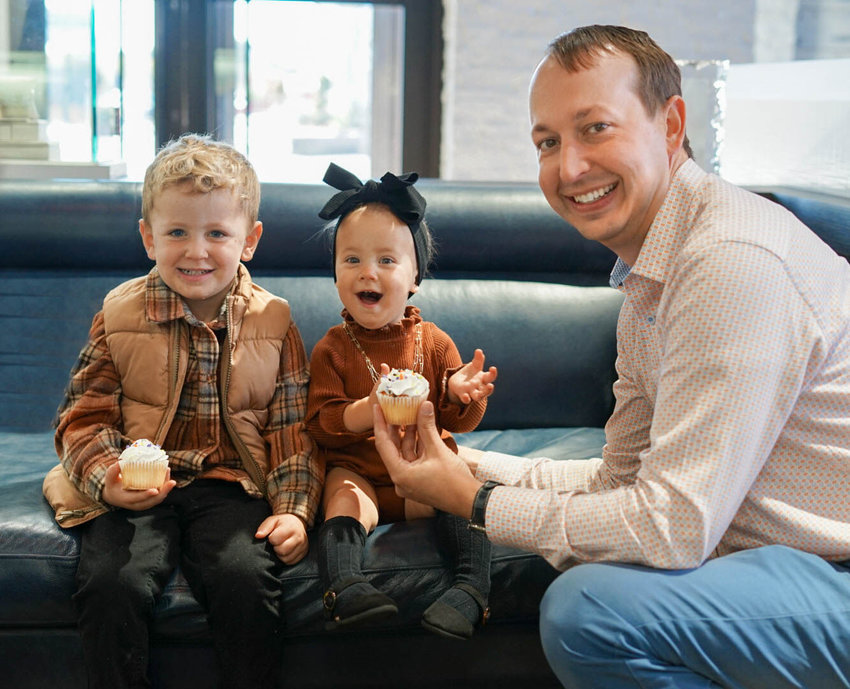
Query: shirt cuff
539	472
295	503
507	469
530	520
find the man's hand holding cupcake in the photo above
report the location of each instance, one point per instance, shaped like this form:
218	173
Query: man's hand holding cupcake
422	467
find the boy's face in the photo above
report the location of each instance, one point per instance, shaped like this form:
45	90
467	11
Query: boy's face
375	266
197	241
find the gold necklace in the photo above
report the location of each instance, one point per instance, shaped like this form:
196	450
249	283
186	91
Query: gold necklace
418	358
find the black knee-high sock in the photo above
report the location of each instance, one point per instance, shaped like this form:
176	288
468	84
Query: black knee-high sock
348	598
469	554
341	542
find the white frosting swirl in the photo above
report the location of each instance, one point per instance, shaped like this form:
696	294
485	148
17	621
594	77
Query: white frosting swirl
403	383
143	451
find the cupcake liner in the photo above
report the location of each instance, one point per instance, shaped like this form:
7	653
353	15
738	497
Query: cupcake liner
142	474
400	411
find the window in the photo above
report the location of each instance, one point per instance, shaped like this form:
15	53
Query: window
294	84
299	97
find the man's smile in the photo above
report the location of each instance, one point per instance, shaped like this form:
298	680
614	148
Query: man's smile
594	195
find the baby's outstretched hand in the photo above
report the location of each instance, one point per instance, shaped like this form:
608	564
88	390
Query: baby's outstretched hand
472	383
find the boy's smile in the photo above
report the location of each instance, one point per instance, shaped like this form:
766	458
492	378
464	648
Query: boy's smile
375	266
198	241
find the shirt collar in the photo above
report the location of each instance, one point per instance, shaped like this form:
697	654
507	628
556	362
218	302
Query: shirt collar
668	230
619	274
162	304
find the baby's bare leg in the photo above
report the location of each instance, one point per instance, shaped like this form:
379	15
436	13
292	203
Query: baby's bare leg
348	494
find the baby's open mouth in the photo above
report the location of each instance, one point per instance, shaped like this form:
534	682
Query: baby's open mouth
369	297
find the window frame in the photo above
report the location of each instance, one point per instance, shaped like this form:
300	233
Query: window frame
184	84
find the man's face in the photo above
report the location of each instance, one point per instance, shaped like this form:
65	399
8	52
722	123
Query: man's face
604	162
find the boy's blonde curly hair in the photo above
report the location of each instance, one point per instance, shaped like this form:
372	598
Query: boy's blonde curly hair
207	165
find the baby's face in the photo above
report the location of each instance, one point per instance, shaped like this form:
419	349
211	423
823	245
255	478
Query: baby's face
197	241
375	266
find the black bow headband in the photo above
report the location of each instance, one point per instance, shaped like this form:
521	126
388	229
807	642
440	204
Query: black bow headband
396	192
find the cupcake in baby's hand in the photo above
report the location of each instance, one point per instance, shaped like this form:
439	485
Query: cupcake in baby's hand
400	393
143	465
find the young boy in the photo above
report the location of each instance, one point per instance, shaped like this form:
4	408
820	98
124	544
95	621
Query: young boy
204	363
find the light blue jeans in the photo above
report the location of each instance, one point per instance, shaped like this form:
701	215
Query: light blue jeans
769	618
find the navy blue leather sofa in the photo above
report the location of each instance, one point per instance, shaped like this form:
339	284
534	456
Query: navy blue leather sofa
510	277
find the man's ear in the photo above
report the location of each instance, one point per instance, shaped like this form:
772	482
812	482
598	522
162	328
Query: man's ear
147	239
675	121
251	241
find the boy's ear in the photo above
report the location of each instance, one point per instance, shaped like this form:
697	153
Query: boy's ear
251	241
147	239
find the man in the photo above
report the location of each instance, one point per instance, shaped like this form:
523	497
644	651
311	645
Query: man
717	520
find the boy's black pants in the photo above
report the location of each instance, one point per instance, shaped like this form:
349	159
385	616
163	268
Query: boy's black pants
128	557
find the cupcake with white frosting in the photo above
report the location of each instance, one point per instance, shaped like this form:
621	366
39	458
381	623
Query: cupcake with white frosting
400	393
143	465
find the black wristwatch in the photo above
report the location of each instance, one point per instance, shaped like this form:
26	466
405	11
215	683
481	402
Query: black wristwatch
476	521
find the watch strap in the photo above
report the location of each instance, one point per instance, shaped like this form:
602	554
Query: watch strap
479	505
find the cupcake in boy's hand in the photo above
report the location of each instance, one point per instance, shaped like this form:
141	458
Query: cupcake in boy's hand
400	393
143	465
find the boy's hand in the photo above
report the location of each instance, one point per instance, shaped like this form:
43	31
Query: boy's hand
116	495
472	382
287	535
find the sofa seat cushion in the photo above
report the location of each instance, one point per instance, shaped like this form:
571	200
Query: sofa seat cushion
38	558
555	443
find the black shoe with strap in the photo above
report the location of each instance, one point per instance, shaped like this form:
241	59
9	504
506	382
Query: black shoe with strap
444	616
349	599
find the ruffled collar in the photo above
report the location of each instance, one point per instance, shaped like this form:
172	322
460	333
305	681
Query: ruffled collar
400	329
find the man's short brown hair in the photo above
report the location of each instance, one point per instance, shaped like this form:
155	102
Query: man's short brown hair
659	77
